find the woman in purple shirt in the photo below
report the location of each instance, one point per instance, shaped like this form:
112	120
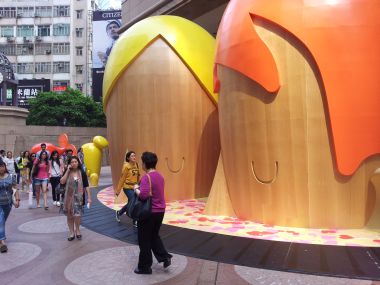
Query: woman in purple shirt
148	230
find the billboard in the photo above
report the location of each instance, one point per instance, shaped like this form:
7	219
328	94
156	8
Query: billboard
28	89
105	27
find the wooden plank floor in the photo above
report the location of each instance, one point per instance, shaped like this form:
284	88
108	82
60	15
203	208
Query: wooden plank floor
339	261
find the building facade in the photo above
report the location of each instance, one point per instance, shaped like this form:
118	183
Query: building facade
49	39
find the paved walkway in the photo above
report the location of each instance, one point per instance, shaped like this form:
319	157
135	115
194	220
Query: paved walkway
39	253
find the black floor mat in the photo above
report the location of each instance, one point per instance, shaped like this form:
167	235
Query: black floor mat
339	261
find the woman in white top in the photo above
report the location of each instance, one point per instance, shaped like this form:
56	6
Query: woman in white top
10	163
56	170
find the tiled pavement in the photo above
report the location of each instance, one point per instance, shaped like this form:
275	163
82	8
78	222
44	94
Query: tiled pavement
39	253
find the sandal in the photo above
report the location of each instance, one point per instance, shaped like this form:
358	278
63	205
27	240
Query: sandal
46	208
79	237
3	248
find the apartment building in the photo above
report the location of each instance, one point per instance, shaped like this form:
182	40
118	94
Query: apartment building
49	39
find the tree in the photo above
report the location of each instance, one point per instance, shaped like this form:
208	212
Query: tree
69	108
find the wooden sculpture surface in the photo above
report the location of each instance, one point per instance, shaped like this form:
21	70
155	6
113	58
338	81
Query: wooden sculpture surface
276	149
157	105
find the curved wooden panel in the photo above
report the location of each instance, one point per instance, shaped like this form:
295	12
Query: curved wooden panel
157	105
258	128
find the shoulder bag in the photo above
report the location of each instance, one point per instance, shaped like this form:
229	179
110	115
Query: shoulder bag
138	209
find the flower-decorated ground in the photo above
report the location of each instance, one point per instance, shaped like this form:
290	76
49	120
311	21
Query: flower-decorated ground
188	214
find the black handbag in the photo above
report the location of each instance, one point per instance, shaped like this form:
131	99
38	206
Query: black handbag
138	209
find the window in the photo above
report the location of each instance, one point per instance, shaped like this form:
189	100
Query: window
8	49
43	11
61	29
25	49
61	67
42	67
8	12
79	69
79	14
42	48
26	67
61	11
79	86
7	31
61	48
61	83
43	31
79	32
25	31
25	12
79	51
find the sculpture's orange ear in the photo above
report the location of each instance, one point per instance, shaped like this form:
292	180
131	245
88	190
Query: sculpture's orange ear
63	140
244	51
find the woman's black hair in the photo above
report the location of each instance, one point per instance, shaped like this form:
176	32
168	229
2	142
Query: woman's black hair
31	154
40	157
77	158
5	165
128	155
149	159
57	159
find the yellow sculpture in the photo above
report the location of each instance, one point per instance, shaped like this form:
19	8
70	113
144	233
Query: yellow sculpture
93	158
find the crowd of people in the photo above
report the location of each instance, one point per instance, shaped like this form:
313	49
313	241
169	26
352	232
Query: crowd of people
32	172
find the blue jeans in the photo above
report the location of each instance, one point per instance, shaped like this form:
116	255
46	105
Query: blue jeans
129	193
4	213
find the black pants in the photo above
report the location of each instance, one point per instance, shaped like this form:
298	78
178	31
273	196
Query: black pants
149	240
54	181
129	193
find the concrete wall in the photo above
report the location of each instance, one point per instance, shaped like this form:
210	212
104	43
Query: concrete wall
16	136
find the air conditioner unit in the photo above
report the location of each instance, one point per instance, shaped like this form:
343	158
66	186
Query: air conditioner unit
60	65
26	40
10	39
19	15
48	51
36	15
38	39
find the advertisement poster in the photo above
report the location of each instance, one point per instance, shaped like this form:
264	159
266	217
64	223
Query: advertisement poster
105	33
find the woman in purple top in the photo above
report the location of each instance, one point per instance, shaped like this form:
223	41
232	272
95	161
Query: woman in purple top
148	230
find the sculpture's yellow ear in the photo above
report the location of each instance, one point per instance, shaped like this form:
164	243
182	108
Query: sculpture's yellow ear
100	142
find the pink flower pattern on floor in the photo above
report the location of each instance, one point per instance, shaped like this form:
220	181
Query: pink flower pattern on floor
188	214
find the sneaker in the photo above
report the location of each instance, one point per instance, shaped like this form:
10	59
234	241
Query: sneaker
118	216
3	248
55	203
58	204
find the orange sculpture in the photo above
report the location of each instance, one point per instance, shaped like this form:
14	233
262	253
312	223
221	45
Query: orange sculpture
63	142
342	37
299	111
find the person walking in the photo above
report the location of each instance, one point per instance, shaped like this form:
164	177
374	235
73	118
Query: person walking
40	171
6	192
24	170
76	185
30	164
130	177
56	170
148	230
